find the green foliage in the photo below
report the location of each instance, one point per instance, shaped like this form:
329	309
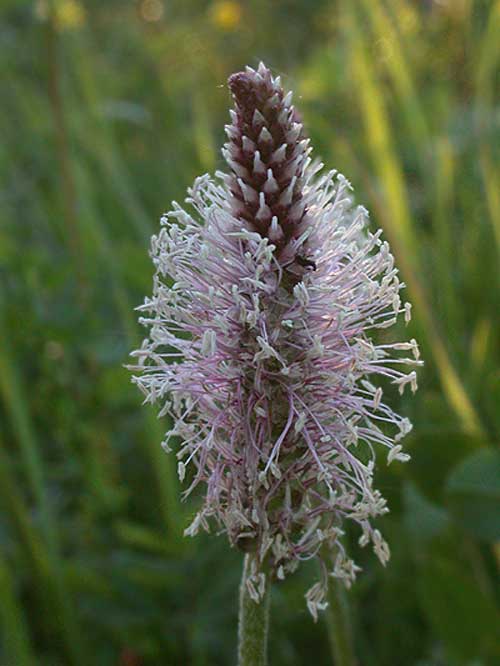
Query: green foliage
473	491
464	618
109	110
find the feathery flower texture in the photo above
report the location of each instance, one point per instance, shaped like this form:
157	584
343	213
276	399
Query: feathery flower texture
266	294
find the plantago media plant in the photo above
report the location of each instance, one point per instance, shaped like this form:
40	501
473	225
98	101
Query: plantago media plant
268	290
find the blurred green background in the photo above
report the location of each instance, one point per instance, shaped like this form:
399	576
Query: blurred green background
109	110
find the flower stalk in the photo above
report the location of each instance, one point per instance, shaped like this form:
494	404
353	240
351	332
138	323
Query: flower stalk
338	622
253	622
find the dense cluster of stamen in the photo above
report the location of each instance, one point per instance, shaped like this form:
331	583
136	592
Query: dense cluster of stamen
270	380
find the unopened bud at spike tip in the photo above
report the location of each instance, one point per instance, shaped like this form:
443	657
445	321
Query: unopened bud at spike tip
270	186
258	120
258	164
272	149
265	136
279	155
248	145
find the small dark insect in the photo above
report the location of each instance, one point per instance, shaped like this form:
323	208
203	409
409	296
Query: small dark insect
306	262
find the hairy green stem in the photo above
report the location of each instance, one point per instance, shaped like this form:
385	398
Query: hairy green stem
253	624
339	624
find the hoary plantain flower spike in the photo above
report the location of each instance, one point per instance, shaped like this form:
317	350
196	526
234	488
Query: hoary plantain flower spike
268	291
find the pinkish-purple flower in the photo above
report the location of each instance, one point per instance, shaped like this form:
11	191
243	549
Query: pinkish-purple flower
268	292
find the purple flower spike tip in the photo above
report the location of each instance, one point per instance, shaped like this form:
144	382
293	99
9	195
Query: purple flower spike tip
268	158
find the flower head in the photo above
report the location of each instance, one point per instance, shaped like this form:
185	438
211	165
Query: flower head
266	296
